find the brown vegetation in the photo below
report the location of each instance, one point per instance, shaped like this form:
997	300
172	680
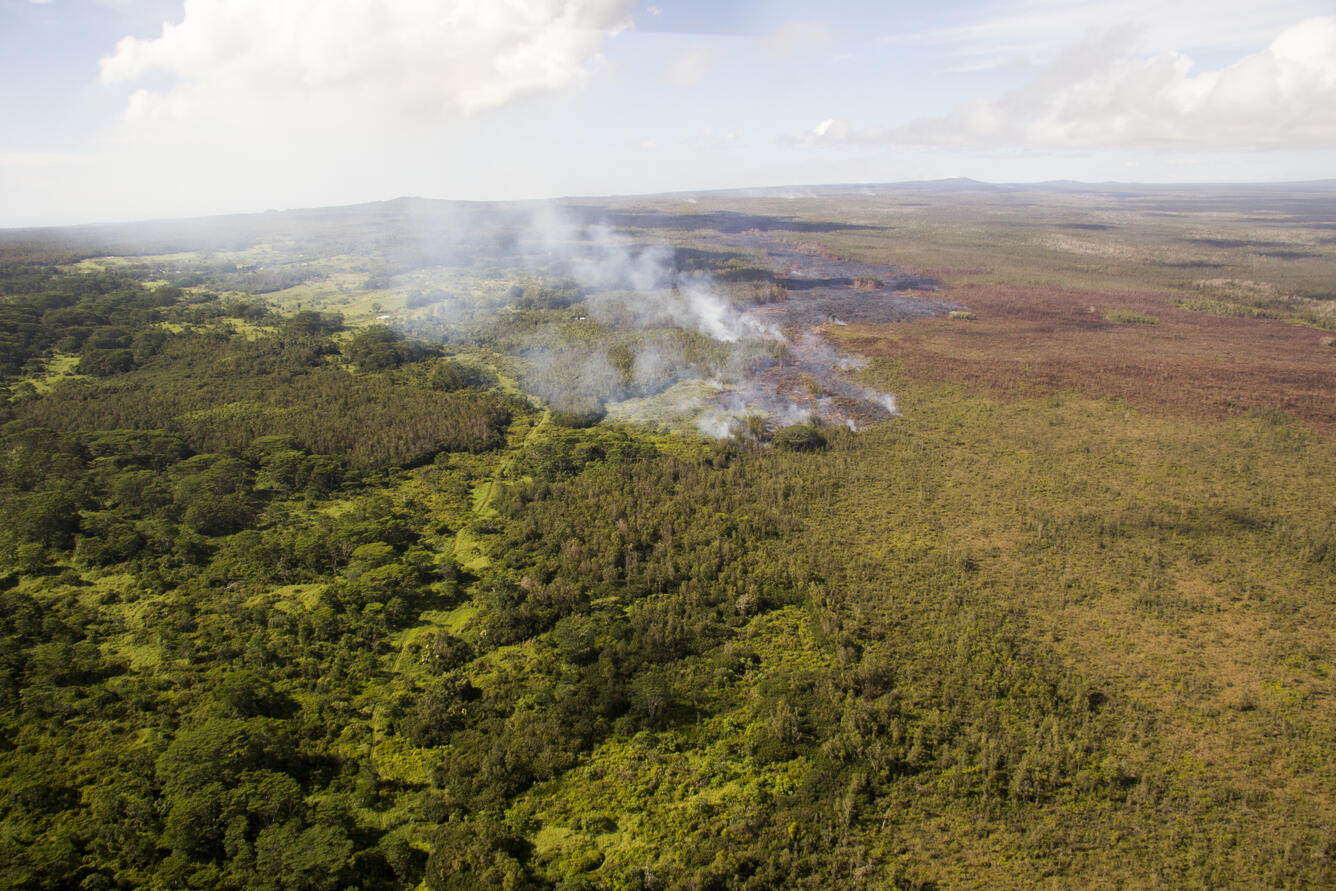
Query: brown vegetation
1029	339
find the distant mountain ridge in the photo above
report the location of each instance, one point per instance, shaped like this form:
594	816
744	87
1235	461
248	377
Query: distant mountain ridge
405	212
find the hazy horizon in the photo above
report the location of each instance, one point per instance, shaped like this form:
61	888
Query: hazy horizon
181	108
818	190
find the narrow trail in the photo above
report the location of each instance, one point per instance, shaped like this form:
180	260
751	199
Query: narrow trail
467	552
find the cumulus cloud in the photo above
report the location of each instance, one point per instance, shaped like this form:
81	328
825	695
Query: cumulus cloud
413	57
1099	93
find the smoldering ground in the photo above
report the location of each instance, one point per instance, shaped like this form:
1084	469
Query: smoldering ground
725	336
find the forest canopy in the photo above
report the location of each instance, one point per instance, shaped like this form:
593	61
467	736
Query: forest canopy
314	577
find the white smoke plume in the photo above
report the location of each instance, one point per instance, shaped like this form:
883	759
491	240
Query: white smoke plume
608	265
716	424
749	371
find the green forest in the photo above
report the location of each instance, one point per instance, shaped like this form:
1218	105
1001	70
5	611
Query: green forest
290	599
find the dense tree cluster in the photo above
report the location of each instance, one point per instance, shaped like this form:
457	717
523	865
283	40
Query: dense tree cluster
100	317
222	393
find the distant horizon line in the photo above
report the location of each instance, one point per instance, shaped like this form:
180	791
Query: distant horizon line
952	183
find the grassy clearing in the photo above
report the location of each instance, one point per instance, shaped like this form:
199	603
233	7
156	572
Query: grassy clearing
58	368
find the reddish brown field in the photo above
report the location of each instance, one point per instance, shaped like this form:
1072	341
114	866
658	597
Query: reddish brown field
1027	340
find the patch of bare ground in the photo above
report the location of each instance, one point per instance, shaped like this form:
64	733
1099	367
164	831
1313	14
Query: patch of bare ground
1030	339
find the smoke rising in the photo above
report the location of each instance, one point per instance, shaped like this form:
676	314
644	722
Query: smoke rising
637	285
600	319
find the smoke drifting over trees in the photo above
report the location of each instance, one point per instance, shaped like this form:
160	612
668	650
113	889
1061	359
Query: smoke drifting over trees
714	331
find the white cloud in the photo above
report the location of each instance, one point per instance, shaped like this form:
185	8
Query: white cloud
689	69
247	104
1100	94
413	58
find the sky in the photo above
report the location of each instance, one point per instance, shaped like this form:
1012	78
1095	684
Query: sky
117	110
